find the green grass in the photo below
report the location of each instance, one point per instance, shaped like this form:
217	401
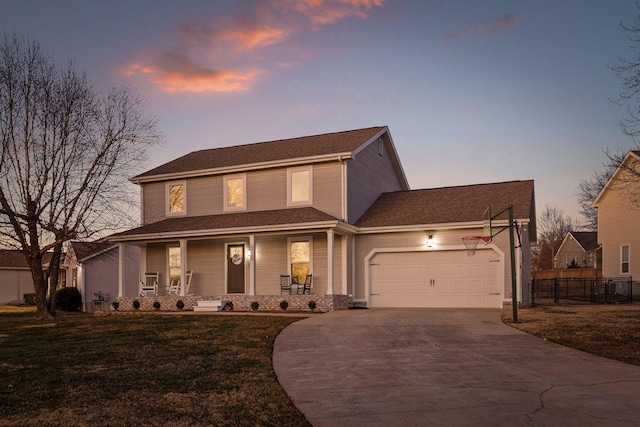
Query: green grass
153	370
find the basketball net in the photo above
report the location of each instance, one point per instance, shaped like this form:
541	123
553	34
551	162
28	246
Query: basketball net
471	243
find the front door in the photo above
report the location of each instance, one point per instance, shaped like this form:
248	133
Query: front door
235	269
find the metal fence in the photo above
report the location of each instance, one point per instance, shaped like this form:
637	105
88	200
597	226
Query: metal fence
599	290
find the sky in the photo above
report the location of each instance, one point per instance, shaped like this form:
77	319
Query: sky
472	91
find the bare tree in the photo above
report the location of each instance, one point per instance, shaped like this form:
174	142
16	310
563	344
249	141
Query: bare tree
66	154
586	193
553	225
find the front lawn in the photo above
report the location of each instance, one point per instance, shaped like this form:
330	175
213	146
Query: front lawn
156	370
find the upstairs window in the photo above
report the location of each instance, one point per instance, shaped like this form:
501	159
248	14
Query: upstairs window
235	191
624	259
300	186
176	198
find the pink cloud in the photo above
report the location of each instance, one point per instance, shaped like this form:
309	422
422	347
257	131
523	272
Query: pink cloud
485	28
176	73
240	39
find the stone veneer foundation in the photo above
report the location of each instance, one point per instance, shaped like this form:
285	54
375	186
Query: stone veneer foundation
271	303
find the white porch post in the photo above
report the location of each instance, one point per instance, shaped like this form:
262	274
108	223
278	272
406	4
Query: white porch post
345	269
353	265
183	267
252	265
330	261
121	248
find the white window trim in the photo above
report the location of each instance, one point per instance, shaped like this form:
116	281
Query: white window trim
309	201
226	178
184	195
300	239
628	262
168	265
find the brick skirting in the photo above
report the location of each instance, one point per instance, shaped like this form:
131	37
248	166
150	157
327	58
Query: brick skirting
241	303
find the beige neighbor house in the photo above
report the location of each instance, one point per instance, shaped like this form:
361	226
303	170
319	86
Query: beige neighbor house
619	220
579	249
15	276
337	207
93	268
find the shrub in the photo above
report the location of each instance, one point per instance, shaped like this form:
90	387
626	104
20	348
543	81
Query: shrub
156	305
312	305
284	305
115	305
180	304
68	299
30	299
136	304
255	305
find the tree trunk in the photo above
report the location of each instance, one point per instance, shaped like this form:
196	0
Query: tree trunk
40	286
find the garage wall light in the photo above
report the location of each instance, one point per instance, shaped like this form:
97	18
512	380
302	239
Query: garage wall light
430	242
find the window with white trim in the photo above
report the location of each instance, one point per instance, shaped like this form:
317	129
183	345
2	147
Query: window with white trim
300	257
235	192
300	186
176	193
175	262
624	259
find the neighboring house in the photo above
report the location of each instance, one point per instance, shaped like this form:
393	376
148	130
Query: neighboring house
15	276
93	267
579	249
337	206
619	219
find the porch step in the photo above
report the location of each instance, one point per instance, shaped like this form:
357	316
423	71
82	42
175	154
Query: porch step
210	305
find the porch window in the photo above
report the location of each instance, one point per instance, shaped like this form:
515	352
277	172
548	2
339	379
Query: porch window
624	259
300	186
300	258
176	198
175	263
235	192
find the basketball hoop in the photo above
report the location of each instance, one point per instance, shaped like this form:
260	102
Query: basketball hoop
471	242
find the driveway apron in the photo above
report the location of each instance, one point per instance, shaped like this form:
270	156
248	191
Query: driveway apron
446	367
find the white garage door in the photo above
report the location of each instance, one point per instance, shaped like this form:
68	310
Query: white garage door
436	279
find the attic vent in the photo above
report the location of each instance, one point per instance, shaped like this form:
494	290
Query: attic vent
380	147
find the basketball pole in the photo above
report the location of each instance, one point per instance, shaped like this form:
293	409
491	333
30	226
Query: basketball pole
514	287
512	253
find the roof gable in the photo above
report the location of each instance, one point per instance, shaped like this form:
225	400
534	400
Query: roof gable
588	240
631	156
336	143
87	250
450	204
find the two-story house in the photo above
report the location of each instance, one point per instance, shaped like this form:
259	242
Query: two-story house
579	249
337	207
618	220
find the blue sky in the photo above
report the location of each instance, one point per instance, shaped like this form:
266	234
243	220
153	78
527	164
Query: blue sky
472	91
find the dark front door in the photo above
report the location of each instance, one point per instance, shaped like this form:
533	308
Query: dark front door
235	269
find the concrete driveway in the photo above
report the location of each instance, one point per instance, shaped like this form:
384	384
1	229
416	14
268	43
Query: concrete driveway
446	367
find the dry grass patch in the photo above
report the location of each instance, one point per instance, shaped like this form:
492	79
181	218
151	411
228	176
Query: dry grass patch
611	331
151	370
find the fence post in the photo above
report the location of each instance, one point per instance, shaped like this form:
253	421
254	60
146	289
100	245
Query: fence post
556	291
533	291
630	289
594	284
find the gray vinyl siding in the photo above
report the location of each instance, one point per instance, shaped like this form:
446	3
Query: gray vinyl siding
327	188
157	262
368	176
204	196
271	262
153	202
206	258
267	190
101	274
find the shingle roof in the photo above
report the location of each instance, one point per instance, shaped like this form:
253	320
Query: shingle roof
228	221
449	204
12	259
308	146
587	239
84	250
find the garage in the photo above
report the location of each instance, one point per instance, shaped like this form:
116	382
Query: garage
436	279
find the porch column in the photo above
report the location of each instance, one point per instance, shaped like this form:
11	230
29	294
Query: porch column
353	265
143	266
252	264
345	269
330	261
121	248
183	267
